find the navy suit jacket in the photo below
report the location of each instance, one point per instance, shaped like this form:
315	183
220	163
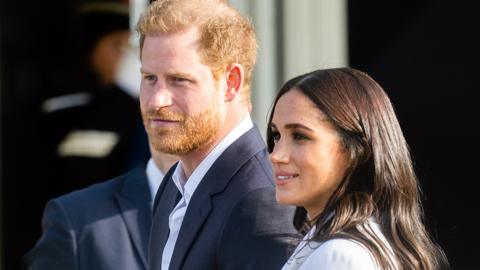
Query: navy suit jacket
104	226
232	221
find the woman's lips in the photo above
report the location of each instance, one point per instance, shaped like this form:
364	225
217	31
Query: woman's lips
282	178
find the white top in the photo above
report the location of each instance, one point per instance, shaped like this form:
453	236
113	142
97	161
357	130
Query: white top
154	177
338	254
187	186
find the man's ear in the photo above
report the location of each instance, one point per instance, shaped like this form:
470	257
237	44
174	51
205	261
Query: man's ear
235	77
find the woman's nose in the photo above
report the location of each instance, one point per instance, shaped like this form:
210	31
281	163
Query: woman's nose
279	153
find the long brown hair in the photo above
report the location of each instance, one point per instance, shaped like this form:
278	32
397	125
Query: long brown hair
380	181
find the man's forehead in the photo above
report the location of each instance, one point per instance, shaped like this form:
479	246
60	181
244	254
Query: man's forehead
189	36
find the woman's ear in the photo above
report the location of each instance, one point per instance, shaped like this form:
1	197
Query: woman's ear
235	77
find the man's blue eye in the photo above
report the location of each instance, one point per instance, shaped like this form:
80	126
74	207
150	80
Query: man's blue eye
149	77
179	80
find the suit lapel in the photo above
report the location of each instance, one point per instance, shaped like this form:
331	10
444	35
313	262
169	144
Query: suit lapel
194	218
165	201
162	187
214	181
134	203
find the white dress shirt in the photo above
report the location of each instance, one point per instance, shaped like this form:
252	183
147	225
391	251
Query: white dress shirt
338	254
154	177
187	186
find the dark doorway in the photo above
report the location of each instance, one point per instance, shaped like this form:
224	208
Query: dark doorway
34	48
426	55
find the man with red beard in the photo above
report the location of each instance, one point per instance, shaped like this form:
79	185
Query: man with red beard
216	208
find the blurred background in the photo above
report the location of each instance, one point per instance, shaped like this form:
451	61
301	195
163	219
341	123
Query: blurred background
68	121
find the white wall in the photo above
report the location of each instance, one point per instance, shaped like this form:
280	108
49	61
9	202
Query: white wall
315	35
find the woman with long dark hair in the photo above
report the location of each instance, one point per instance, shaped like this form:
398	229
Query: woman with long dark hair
340	156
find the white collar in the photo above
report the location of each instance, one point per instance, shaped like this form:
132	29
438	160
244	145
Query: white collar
188	186
154	177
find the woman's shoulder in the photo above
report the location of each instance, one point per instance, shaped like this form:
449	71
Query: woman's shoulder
341	254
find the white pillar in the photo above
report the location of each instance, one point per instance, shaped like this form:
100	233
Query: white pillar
128	75
315	35
264	85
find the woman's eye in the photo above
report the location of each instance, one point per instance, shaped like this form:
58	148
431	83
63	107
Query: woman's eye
275	136
299	136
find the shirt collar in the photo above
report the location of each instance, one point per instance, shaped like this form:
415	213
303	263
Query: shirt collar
154	177
188	186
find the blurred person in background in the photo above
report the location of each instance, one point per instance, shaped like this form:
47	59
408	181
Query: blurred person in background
93	130
90	126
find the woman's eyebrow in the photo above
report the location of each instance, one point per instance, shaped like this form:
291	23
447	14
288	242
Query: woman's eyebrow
296	126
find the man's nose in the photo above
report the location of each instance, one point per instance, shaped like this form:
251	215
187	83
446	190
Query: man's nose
160	97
